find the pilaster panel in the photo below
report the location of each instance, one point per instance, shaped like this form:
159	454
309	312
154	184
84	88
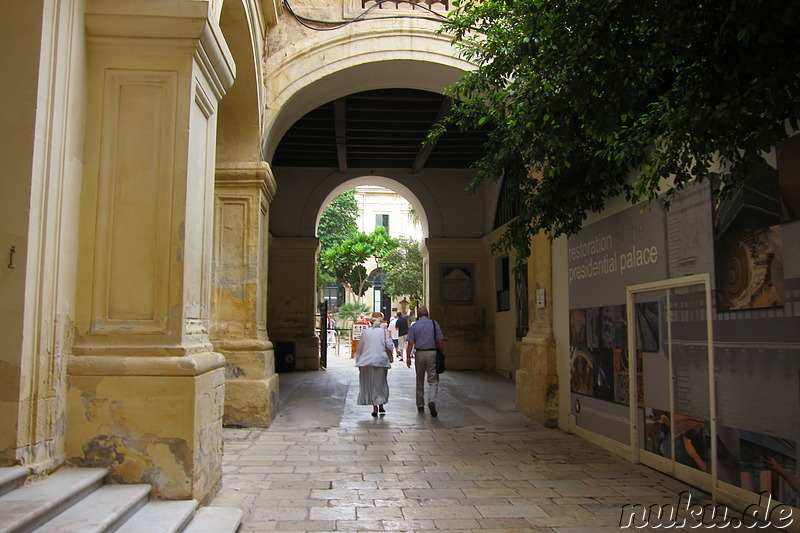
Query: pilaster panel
134	184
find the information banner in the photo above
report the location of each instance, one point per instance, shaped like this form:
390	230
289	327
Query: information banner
621	250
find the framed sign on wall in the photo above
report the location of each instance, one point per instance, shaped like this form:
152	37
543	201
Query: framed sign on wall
458	283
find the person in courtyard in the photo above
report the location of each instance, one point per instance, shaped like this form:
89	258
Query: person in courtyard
424	336
372	360
402	332
331	328
395	334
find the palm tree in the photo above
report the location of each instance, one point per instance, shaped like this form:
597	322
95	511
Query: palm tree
351	311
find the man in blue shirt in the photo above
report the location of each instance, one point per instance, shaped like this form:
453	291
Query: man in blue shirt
425	334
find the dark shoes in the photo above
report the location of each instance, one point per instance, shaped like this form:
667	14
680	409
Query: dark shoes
431	406
381	410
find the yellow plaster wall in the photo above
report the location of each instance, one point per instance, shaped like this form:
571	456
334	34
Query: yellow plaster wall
504	343
18	94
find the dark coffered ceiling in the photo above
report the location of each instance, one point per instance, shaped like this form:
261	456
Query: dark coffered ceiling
378	129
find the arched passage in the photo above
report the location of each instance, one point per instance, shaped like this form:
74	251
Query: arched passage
311	74
454	223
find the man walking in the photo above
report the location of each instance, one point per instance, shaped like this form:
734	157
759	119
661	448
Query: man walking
425	334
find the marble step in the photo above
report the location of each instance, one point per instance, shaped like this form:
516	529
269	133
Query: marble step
215	520
102	510
161	517
75	500
29	506
12	477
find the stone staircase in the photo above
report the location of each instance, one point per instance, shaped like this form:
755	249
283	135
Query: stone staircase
76	500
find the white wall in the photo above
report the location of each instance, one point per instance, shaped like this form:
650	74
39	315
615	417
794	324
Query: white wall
375	200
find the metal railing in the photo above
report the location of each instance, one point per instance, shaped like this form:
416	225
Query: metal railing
406	5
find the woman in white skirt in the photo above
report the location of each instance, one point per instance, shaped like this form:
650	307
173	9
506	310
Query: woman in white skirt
372	360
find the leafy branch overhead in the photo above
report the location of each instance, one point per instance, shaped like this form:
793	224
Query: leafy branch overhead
589	100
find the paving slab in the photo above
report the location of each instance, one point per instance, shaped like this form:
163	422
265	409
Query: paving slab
326	464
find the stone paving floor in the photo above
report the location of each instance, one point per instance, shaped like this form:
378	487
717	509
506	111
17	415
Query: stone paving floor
326	464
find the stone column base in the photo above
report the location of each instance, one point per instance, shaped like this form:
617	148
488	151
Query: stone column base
251	390
307	353
537	382
251	402
537	397
154	420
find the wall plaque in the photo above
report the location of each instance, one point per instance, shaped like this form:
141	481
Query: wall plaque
457	282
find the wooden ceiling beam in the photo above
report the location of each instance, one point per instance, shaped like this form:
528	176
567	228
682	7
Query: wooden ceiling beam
340	119
425	151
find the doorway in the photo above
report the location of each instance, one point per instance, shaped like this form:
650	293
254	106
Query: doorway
670	363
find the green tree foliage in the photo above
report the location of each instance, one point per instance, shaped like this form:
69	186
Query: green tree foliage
336	225
588	100
345	261
338	221
403	267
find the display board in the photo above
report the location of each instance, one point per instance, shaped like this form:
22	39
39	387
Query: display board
750	247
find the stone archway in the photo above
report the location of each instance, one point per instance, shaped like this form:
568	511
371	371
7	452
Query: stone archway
398	226
393	184
452	235
309	69
424	74
241	111
293	259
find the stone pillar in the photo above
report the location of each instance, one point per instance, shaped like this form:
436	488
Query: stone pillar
537	377
292	300
242	196
454	272
145	389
